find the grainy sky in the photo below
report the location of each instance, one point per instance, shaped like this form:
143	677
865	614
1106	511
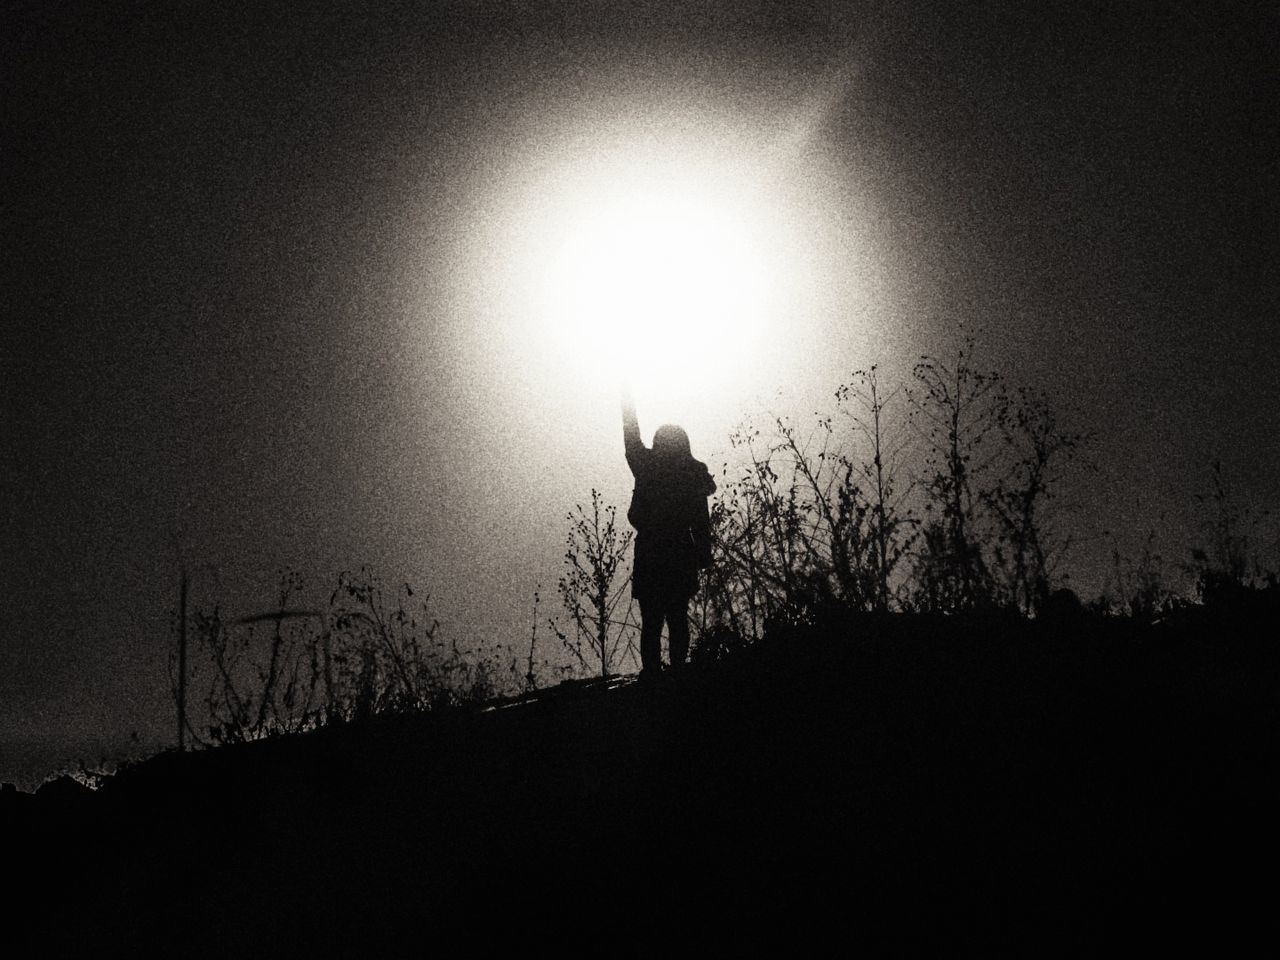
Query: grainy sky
253	318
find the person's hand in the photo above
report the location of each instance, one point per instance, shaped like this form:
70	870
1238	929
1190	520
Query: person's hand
627	401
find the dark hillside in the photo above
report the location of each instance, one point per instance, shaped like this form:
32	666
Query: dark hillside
902	783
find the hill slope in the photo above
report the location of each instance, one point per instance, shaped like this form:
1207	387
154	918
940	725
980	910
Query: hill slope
903	783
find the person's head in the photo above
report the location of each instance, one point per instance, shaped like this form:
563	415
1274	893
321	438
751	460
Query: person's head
670	441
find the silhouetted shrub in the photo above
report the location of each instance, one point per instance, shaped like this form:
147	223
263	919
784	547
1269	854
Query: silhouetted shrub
1231	567
957	410
593	590
716	642
1138	588
836	515
1029	541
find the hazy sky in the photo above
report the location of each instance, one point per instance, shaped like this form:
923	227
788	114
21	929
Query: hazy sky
263	278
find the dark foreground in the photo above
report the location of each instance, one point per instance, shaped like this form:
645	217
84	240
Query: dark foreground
901	785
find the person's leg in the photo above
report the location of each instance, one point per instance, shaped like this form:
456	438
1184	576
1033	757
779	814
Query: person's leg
651	614
677	617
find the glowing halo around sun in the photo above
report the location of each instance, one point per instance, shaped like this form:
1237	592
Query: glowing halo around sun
663	279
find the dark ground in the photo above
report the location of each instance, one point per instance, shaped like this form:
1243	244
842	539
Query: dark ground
903	785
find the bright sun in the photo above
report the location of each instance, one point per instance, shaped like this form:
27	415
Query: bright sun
663	279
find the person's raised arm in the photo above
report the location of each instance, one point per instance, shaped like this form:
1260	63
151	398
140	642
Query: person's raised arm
631	431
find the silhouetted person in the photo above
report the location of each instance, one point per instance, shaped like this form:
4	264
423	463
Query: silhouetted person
673	535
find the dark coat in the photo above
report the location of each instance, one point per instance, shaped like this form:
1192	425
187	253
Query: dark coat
673	527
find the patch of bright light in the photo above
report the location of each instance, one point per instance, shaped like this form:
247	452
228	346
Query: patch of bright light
663	278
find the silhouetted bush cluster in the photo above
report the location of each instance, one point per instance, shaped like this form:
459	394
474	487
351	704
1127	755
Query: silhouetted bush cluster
367	652
937	496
